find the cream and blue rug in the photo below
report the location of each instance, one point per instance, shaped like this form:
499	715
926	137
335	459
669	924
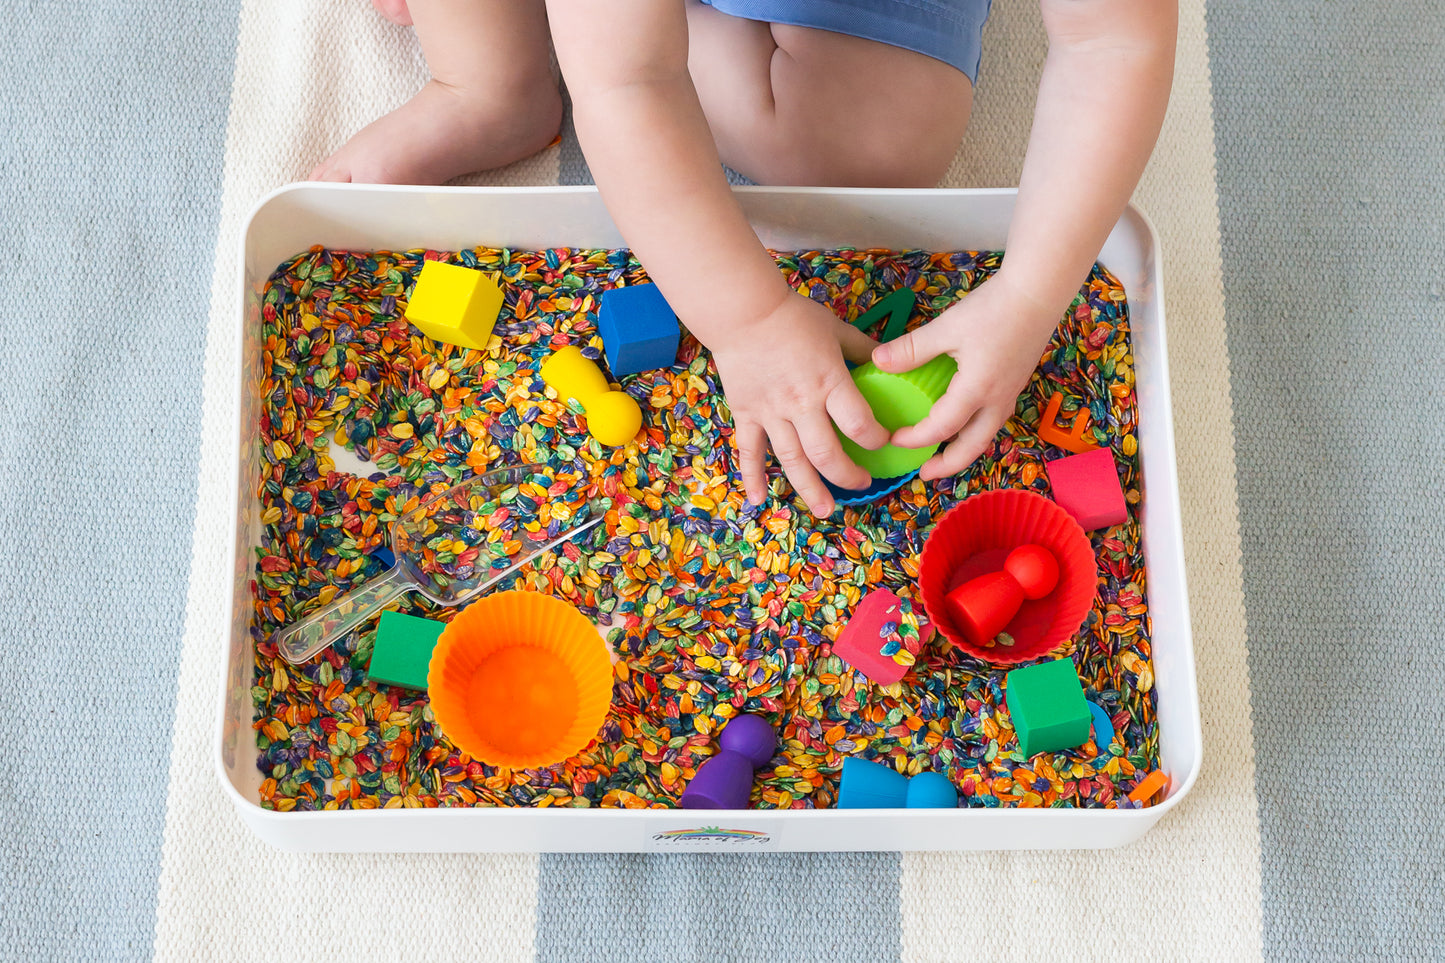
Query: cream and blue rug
1299	190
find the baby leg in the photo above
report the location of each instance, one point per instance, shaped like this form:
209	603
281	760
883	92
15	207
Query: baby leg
796	105
492	98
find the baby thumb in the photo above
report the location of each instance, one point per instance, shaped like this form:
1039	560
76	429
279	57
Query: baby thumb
910	351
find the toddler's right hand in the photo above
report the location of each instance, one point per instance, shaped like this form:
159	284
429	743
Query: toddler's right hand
790	387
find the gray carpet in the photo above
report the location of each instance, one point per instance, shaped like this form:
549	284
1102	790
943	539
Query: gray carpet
1330	133
839	907
108	220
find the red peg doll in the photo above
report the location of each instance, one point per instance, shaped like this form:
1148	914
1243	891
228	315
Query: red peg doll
985	605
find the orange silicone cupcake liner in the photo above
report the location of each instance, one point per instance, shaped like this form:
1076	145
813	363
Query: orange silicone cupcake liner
521	680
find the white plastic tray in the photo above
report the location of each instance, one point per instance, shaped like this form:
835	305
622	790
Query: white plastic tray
398	218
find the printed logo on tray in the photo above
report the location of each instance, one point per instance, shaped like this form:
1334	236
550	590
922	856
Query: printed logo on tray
713	835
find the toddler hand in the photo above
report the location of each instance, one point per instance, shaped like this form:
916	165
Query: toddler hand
997	335
790	387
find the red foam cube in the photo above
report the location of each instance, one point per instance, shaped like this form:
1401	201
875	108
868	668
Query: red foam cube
1087	487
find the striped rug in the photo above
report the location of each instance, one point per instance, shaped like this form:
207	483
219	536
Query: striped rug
1298	189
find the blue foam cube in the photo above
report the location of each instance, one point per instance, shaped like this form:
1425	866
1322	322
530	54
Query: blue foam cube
639	330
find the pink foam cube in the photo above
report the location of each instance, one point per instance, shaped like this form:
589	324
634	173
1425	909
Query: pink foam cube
1087	487
859	644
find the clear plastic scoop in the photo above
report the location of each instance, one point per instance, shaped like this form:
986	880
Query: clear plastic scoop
433	546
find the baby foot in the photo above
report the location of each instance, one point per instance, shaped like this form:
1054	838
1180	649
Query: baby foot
444	132
394	10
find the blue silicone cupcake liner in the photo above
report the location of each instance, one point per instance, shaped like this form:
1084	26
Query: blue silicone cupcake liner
880	488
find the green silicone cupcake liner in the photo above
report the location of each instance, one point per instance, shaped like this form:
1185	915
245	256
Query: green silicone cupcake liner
898	400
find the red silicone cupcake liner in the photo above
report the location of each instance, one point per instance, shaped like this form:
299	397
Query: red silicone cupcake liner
973	539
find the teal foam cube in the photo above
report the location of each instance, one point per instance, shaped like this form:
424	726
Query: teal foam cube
1048	708
402	653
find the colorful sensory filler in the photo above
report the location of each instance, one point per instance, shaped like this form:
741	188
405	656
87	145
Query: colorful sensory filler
720	611
449	553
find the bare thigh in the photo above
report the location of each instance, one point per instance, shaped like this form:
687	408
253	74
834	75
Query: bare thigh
795	105
500	46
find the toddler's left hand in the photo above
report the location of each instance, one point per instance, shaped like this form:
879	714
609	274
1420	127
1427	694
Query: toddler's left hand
997	335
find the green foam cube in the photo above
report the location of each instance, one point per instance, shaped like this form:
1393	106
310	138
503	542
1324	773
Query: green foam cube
403	650
1047	704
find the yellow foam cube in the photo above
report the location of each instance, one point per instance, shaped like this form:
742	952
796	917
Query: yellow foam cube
454	304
